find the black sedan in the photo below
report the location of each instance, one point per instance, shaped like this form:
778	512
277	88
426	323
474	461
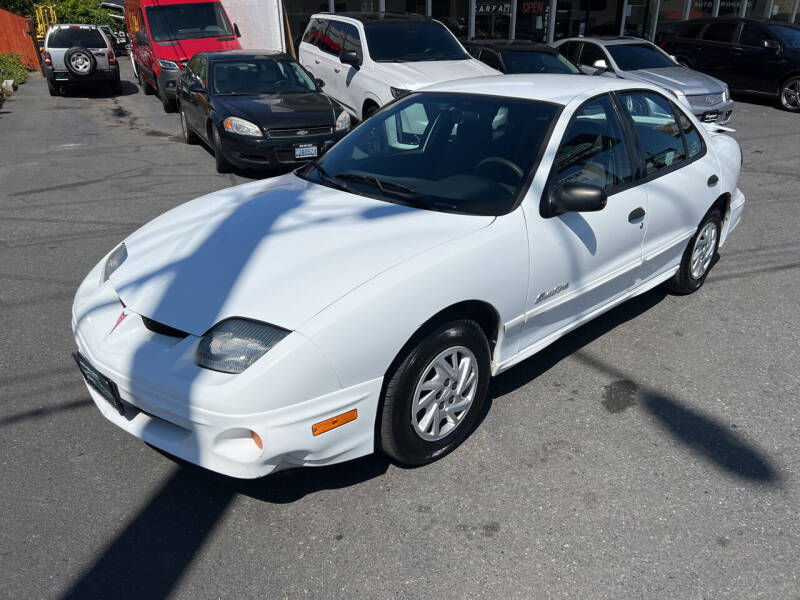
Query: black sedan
257	109
518	56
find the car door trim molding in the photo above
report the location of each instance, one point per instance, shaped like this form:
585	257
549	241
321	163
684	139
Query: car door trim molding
668	245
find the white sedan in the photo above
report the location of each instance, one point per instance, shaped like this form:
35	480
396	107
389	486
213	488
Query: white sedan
363	302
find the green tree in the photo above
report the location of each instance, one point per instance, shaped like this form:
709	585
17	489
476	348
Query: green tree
84	11
18	7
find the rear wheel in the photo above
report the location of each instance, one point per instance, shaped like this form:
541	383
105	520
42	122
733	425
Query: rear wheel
223	166
54	90
790	94
698	256
433	399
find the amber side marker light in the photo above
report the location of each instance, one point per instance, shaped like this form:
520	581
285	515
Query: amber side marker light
257	440
334	422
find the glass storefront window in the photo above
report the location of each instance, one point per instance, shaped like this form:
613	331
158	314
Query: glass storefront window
492	19
299	12
701	8
587	17
406	6
454	14
532	18
669	15
782	10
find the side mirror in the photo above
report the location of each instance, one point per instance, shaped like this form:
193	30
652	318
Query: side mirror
319	82
574	197
600	64
770	44
236	30
349	57
141	38
197	88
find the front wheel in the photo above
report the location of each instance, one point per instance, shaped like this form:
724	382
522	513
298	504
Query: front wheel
790	94
698	256
433	399
223	166
168	104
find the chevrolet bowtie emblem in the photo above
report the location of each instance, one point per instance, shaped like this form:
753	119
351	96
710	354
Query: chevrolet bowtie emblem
303	132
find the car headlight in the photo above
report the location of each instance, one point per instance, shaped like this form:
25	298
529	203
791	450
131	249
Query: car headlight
234	344
242	127
168	65
114	260
343	121
397	92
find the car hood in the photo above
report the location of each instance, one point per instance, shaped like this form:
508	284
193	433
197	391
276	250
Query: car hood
181	50
686	80
277	251
414	75
305	109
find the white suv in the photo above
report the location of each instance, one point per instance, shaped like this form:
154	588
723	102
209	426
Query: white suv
367	59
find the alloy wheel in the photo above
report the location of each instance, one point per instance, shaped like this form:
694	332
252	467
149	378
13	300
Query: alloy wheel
790	95
703	252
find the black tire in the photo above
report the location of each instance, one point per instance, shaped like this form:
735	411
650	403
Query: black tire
683	282
790	94
168	104
223	166
146	87
84	57
370	110
397	436
54	90
188	135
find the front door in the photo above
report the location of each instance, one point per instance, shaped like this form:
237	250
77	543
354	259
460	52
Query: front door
758	68
582	261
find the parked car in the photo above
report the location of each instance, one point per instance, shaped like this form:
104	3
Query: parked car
165	34
257	109
76	54
516	56
364	301
368	59
119	49
633	58
754	56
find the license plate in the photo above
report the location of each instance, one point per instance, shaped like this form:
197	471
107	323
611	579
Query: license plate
711	116
305	151
104	386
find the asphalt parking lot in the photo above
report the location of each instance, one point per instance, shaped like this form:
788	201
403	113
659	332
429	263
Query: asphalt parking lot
653	453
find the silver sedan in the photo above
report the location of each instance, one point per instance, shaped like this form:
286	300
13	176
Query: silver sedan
637	59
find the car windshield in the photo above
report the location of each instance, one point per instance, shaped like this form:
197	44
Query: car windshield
459	153
789	35
631	57
259	76
69	37
537	62
409	41
187	21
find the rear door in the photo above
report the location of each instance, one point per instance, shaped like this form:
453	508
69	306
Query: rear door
330	69
716	49
309	50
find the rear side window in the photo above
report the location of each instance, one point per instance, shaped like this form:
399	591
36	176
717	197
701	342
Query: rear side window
69	37
691	31
660	139
313	31
719	32
593	150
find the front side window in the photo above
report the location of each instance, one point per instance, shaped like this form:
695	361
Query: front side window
237	77
69	37
187	21
659	135
691	31
752	35
593	150
490	58
409	41
537	62
789	35
630	57
352	41
590	54
719	32
458	153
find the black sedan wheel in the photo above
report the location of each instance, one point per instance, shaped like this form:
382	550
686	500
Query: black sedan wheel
790	94
223	166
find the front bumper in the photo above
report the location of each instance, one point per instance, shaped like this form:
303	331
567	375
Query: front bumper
206	417
66	77
259	153
168	81
734	216
720	113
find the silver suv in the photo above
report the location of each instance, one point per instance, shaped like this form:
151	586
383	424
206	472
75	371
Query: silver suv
77	54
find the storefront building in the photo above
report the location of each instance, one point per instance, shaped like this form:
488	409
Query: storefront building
532	19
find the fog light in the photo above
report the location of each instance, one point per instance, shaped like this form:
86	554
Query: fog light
257	440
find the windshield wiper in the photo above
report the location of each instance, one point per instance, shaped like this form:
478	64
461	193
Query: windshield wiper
323	174
383	184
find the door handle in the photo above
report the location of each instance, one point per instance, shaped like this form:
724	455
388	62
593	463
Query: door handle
337	69
316	61
712	181
636	214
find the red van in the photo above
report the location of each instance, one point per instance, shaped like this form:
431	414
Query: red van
165	34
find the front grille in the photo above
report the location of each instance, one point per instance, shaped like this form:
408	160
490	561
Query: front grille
299	133
157	327
704	99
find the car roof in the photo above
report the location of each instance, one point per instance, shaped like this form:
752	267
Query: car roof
560	89
375	17
517	45
608	40
248	53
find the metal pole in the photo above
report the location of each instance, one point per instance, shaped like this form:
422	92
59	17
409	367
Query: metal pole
715	9
687	9
794	11
331	6
471	21
381	5
551	23
654	20
624	17
768	9
742	8
512	28
428	8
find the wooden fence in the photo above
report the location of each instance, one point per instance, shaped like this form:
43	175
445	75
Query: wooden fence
14	37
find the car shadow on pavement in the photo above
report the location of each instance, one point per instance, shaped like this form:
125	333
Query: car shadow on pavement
98	90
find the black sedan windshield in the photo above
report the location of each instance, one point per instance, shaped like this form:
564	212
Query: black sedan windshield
187	21
449	152
259	76
537	62
408	41
631	57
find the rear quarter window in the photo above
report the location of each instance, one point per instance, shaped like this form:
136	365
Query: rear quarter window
67	38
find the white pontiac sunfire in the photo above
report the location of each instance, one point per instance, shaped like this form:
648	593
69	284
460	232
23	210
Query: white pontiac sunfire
363	302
